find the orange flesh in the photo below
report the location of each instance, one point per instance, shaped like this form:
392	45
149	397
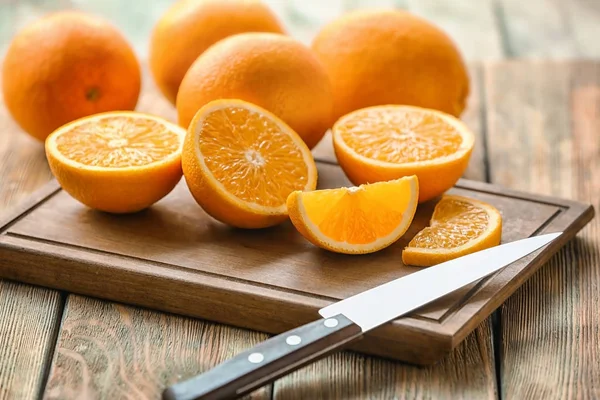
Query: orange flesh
399	136
118	142
358	215
251	156
454	223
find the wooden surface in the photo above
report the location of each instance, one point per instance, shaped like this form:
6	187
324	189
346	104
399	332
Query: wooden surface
174	257
550	326
471	372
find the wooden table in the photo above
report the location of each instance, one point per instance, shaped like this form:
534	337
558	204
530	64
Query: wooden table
538	121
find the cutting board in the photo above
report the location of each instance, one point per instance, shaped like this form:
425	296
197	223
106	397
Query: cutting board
173	257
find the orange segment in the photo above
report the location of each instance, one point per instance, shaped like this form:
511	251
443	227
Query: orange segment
459	226
388	142
241	162
355	220
118	161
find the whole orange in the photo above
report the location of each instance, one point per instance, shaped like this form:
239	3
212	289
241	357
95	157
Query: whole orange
270	70
190	26
65	66
391	57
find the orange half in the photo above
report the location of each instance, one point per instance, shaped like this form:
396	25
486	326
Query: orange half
117	162
241	162
355	220
388	142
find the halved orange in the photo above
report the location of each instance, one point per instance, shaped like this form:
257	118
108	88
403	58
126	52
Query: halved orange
387	142
459	226
241	162
118	162
355	220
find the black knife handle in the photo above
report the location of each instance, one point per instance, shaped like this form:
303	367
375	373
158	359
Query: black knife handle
268	361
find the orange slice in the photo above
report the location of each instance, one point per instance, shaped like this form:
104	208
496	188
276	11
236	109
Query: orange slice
459	226
355	220
387	142
118	162
241	162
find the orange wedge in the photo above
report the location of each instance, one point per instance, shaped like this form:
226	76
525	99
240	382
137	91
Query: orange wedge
241	162
388	142
118	162
459	226
355	220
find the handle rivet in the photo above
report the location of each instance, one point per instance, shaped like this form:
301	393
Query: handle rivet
256	358
293	340
331	322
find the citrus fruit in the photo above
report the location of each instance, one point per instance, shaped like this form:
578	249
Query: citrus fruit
391	57
191	26
270	70
355	220
381	143
241	162
118	162
459	226
65	66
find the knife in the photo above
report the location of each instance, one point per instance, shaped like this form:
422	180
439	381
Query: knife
346	321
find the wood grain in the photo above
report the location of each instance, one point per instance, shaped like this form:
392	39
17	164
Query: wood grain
550	112
467	373
110	351
29	316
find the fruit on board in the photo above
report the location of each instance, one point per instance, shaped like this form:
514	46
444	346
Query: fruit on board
459	226
65	66
391	57
118	162
241	162
355	220
189	27
273	71
382	143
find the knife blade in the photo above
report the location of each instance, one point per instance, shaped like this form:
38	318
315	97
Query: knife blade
346	321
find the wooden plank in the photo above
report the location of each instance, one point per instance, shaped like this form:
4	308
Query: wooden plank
467	373
471	24
29	319
544	120
109	351
539	28
29	316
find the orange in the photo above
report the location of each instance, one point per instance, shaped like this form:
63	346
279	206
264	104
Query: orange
355	220
391	57
270	70
459	226
119	162
381	143
191	26
65	66
241	162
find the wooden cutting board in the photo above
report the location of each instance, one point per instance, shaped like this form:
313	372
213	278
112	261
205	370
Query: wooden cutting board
173	257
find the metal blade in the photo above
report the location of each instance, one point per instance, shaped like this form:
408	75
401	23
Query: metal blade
389	301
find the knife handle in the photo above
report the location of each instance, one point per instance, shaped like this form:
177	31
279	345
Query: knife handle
268	361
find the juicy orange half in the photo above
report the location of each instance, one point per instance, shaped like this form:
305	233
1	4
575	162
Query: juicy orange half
388	142
241	162
355	220
117	162
459	226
